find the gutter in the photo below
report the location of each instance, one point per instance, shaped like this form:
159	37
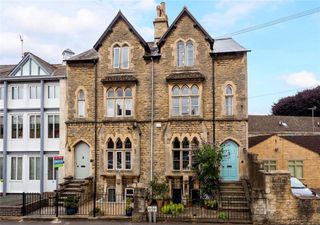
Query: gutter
95	136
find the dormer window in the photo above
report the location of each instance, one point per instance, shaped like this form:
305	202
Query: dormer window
185	53
121	56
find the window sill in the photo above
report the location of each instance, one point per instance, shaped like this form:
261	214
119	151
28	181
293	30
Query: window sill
187	117
119	119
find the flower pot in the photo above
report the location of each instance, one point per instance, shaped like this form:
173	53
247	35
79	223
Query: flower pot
71	210
159	203
129	212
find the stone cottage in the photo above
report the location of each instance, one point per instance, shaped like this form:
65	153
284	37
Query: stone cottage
137	109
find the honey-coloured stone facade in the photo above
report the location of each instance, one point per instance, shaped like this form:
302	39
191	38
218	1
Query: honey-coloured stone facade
152	128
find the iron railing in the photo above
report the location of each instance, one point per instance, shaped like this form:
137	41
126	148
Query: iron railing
220	208
60	204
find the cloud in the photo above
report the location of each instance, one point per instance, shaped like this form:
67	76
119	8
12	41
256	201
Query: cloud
301	79
49	28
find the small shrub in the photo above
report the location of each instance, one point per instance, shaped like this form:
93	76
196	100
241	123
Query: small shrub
172	209
71	202
98	212
222	216
211	204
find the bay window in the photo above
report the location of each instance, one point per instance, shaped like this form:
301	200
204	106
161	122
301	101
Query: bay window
119	154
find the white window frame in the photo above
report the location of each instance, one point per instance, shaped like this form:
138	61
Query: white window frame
16	169
231	97
129	195
54	125
35	172
120	58
183	55
17	116
53	169
119	152
55	91
189	96
19	88
123	100
37	91
37	116
81	104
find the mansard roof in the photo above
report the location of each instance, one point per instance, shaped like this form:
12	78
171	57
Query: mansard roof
131	28
185	11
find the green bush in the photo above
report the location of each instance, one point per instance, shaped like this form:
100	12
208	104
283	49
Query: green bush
172	209
71	201
211	204
222	216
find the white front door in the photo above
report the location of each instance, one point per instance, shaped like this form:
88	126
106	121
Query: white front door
82	160
50	175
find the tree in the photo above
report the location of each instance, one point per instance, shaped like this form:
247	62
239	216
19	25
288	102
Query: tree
299	104
207	161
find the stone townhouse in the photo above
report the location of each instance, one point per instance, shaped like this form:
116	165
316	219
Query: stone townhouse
137	109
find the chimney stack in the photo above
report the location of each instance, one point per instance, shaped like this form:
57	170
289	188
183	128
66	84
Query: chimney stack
161	22
66	54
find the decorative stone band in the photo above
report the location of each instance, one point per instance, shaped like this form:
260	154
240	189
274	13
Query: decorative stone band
185	75
119	78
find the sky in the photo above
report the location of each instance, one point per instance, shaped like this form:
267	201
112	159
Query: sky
284	58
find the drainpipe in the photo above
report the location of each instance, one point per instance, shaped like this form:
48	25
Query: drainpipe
42	138
5	138
213	103
95	139
152	114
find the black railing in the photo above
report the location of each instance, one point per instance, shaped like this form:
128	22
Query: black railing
61	204
221	208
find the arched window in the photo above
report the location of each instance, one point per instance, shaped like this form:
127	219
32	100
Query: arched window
110	146
119	154
125	56
116	56
121	56
180	48
229	100
186	101
120	102
181	154
185	53
189	54
81	104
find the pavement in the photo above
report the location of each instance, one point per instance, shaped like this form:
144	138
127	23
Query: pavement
91	222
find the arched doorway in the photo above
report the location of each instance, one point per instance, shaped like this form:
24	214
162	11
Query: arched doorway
230	163
82	160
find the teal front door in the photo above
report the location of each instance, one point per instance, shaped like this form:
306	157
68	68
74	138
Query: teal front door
229	165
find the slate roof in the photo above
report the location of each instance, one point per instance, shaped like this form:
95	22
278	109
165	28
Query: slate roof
311	142
253	141
52	69
260	125
88	55
226	45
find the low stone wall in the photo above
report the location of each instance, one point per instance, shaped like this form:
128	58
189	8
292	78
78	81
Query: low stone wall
274	203
10	210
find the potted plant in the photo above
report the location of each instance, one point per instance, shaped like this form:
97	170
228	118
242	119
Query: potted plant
129	207
159	189
71	204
